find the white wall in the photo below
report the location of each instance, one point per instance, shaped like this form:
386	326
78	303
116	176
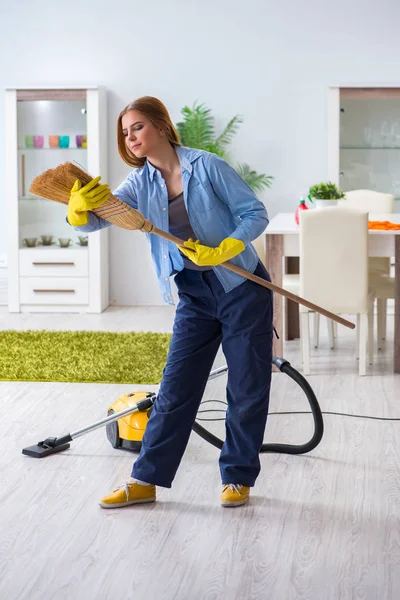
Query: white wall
271	61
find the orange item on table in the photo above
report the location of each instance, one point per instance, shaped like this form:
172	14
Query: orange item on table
383	225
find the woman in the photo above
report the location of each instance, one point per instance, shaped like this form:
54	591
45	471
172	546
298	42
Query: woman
194	195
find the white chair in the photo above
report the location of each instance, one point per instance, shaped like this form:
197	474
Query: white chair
291	283
378	268
259	245
334	272
383	289
369	200
373	202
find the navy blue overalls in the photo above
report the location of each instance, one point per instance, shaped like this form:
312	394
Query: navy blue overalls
207	316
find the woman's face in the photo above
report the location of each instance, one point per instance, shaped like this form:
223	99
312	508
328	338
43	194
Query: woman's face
141	136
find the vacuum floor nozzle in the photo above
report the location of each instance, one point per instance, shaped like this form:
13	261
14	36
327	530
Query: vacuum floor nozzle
41	450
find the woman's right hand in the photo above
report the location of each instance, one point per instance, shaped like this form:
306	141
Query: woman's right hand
83	199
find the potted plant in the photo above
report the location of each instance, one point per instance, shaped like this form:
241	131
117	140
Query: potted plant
325	194
197	130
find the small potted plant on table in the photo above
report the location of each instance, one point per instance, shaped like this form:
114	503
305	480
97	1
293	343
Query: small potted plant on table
325	194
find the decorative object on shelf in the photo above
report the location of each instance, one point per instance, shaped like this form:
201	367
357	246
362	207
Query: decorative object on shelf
197	131
30	242
38	141
325	194
78	140
29	141
54	141
301	206
83	240
47	240
64	242
84	141
64	141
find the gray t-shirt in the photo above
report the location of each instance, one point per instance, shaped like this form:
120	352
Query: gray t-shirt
179	226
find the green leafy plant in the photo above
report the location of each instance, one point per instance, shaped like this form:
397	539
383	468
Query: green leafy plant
325	191
197	130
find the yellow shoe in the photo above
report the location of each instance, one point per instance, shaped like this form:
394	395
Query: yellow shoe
130	493
234	494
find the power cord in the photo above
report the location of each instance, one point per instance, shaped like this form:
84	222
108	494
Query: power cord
297	412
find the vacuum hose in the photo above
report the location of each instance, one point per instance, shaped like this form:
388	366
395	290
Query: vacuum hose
285	367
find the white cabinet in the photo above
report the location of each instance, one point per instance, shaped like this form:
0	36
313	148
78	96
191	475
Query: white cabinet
44	128
364	139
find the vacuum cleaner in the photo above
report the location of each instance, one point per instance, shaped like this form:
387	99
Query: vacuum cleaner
128	416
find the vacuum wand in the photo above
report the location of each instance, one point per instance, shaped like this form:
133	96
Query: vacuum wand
52	445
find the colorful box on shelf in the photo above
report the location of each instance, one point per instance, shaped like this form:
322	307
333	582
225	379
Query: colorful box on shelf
64	141
38	141
81	141
54	141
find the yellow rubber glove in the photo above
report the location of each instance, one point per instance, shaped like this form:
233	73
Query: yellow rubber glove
86	198
204	256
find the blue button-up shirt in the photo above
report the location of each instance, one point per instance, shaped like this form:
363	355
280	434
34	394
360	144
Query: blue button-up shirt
219	205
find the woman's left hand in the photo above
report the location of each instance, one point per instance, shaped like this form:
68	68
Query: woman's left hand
204	256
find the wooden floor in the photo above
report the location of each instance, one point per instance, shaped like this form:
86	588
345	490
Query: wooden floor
319	526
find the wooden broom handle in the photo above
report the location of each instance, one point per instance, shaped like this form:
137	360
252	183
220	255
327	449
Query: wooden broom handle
264	283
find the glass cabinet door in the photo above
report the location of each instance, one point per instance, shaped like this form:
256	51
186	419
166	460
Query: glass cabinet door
51	129
370	140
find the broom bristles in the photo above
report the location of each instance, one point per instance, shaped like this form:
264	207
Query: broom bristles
56	184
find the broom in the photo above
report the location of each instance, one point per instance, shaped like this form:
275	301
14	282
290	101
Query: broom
55	184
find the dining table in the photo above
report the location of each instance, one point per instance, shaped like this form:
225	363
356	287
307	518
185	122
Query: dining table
282	251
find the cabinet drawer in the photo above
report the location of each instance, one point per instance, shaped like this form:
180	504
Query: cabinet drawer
57	262
54	290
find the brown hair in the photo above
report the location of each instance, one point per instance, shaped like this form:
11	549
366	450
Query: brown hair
158	114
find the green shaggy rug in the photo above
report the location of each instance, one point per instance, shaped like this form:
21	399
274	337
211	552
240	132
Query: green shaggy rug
83	356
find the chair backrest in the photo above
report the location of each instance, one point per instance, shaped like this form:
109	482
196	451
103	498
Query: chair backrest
375	202
259	245
334	259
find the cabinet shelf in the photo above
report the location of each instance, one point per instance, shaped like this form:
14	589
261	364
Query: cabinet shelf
369	147
22	149
31	198
52	247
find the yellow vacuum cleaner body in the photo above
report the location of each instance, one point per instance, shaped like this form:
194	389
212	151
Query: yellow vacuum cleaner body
127	433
